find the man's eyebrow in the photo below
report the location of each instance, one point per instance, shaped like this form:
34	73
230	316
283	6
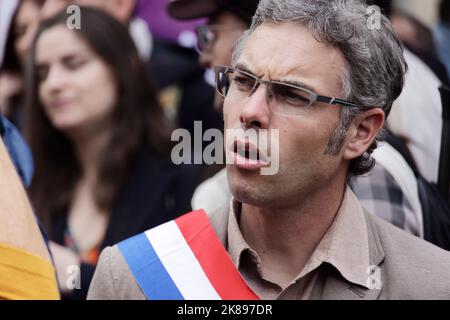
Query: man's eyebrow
299	84
244	68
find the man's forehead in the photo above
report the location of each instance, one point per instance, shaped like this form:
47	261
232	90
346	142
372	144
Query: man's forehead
283	51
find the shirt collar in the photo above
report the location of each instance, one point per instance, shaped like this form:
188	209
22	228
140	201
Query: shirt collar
236	242
345	245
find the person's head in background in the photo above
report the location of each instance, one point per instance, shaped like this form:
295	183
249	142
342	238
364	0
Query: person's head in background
122	10
90	105
408	28
227	20
23	27
403	26
414	35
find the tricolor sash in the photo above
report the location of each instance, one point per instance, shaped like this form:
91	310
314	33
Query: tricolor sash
183	259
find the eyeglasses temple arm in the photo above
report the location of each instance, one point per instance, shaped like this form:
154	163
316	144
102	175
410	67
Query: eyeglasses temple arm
332	100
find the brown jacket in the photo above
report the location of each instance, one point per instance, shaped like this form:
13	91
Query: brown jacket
410	268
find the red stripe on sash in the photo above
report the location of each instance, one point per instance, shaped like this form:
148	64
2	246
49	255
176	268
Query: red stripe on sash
213	258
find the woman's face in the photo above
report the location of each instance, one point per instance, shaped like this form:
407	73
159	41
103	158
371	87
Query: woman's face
25	27
76	88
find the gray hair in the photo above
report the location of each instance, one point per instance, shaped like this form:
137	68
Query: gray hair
375	66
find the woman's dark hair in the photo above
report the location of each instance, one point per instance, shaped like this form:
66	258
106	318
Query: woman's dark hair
11	64
138	120
11	61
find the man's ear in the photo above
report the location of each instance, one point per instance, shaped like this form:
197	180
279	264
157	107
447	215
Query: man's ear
123	10
362	132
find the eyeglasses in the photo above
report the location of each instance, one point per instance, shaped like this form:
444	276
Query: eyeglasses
283	98
207	35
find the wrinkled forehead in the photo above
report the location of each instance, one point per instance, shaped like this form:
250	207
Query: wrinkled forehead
288	51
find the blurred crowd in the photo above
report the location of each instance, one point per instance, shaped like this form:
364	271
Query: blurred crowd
87	117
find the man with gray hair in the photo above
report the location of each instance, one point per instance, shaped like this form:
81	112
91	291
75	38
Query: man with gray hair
319	74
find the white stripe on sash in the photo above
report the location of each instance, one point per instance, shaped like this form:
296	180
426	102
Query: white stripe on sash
181	263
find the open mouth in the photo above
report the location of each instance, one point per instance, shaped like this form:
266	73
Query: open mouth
247	151
247	156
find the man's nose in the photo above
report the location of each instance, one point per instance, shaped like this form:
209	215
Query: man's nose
256	110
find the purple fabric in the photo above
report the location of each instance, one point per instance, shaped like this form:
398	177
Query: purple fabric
161	25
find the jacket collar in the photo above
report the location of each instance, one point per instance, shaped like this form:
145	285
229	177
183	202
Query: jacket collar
335	287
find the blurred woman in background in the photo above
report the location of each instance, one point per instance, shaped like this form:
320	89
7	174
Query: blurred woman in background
22	29
100	143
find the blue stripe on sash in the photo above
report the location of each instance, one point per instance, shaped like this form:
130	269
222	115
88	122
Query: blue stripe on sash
148	270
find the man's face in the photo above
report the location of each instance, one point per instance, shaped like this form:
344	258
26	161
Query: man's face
227	28
273	53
